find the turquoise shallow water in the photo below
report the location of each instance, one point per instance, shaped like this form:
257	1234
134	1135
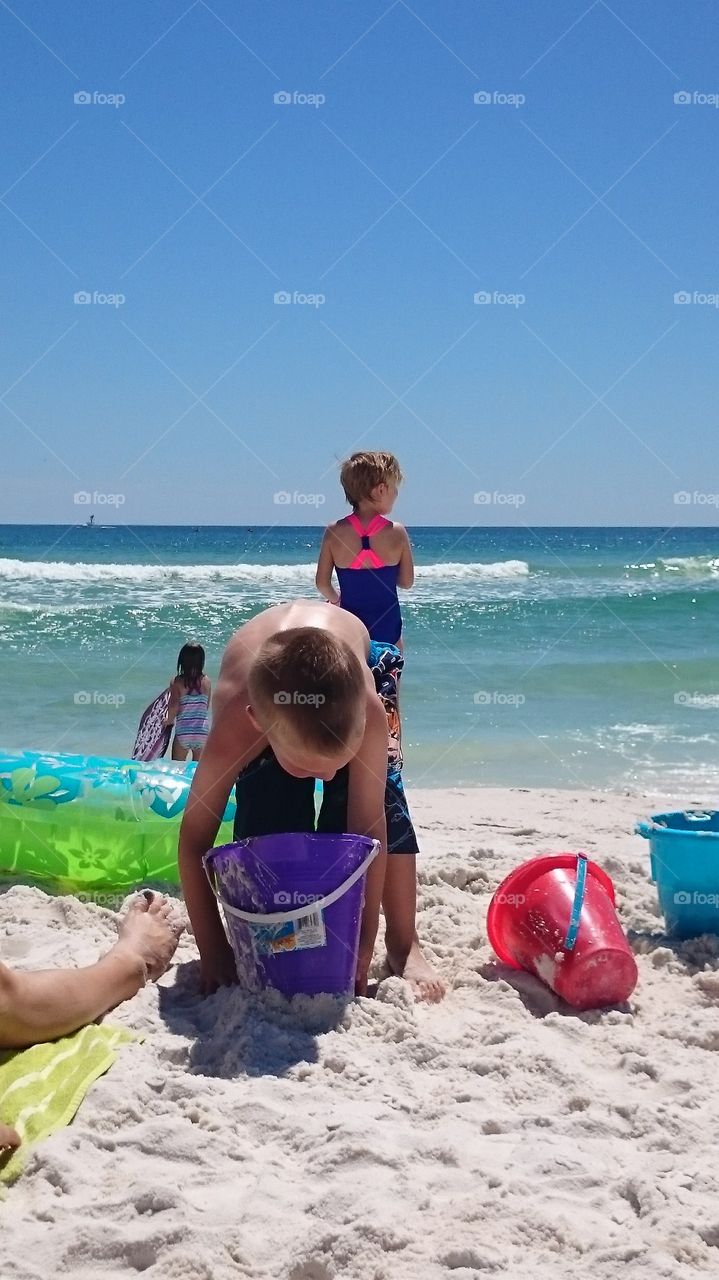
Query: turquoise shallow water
564	657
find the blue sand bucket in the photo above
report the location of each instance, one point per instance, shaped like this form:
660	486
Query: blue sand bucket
293	905
684	858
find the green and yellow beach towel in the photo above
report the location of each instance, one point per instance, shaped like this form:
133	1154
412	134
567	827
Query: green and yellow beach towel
42	1087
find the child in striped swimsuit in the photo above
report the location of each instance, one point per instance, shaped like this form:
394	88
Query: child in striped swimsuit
189	703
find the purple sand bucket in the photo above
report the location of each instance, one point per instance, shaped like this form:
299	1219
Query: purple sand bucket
293	905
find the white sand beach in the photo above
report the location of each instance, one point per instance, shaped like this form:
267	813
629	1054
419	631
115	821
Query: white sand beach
497	1133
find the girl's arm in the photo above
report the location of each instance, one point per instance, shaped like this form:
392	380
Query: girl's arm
405	577
325	565
174	704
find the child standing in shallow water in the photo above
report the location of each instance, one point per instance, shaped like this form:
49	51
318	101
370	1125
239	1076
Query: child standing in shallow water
370	554
189	703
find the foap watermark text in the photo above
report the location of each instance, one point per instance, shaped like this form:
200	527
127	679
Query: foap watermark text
695	297
495	498
498	98
496	698
86	499
283	498
483	298
695	98
283	898
686	499
96	698
702	701
293	697
297	98
95	98
85	298
283	298
693	898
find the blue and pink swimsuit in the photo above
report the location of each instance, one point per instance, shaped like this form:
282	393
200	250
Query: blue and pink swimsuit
368	586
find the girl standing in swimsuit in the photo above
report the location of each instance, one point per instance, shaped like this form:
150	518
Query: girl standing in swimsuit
370	554
372	557
189	703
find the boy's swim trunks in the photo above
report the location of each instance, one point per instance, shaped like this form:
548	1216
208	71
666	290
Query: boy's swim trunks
269	800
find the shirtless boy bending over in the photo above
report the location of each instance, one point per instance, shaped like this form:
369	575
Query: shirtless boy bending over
302	695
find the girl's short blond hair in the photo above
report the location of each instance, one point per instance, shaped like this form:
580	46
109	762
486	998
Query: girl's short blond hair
362	472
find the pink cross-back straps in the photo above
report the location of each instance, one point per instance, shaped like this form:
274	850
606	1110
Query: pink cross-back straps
367	558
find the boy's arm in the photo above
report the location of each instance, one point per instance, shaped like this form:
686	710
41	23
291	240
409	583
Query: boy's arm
405	577
226	752
366	816
325	565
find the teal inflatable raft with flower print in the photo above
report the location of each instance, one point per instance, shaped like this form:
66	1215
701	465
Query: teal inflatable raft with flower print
92	822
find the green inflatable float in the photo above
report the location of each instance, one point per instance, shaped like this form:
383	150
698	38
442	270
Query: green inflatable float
90	823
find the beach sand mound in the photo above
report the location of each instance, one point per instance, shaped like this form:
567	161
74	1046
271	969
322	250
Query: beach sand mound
497	1134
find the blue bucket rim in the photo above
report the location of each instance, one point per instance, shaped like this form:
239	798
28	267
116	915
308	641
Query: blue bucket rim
654	825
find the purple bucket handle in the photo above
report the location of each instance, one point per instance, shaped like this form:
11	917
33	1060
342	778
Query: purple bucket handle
283	917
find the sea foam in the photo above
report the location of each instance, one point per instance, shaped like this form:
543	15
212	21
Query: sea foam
81	572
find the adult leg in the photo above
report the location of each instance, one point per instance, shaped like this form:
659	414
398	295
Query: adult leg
35	1007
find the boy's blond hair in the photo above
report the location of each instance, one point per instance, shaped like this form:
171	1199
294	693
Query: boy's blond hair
362	472
308	681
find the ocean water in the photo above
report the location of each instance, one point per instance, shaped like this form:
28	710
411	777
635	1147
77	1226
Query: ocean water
562	657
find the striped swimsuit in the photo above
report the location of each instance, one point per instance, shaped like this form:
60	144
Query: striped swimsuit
192	724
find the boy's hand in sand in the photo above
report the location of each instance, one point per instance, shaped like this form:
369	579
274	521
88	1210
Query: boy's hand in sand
217	970
361	979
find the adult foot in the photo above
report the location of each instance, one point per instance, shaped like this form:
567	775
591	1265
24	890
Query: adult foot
9	1139
418	972
151	929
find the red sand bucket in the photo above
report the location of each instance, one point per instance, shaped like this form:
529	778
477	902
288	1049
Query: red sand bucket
555	917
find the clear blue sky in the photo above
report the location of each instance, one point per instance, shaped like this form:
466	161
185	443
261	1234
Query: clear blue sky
311	199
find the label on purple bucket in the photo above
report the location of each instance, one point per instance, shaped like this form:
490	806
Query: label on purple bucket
303	934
